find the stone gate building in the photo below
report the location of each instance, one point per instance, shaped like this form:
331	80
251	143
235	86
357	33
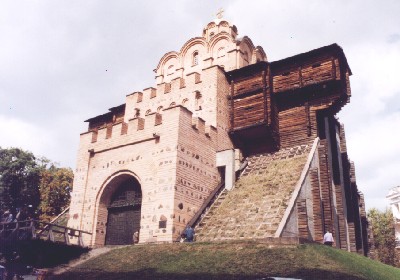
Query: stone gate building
394	201
220	118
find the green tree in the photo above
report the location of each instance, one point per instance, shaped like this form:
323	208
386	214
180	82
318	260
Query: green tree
383	233
19	178
55	188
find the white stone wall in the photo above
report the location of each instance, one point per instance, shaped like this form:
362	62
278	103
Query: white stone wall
394	200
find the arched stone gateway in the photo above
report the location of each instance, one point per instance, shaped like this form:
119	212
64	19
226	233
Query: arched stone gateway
121	201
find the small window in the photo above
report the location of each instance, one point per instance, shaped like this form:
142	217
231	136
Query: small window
199	100
170	69
137	112
162	224
221	52
195	58
246	56
148	112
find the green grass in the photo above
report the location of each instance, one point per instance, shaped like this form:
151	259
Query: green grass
229	260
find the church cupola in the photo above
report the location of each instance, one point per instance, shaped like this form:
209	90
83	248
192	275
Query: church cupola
218	45
219	25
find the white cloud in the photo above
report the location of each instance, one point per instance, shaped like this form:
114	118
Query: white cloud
20	134
374	146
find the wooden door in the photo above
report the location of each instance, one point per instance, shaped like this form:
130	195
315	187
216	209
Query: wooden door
122	223
124	213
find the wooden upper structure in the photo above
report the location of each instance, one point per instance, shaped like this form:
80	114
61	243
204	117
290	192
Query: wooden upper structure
270	101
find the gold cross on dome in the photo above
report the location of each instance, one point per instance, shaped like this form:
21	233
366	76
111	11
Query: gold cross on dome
220	13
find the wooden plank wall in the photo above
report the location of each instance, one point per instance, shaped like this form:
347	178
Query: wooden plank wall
273	117
275	122
99	123
248	84
311	72
248	110
293	125
318	72
249	101
287	80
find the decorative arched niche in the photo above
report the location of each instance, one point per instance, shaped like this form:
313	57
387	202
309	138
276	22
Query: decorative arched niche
195	58
246	48
192	54
220	47
166	68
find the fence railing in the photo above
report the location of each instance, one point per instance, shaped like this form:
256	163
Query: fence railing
34	229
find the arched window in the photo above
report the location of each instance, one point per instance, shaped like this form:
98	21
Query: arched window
246	56
172	104
199	100
221	52
184	102
137	112
148	112
195	60
170	69
158	119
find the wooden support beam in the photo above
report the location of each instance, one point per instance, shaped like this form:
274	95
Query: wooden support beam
50	235
66	237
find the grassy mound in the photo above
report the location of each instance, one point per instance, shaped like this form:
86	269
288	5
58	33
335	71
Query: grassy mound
229	260
255	207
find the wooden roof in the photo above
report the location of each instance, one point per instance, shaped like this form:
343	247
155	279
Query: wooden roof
299	59
108	115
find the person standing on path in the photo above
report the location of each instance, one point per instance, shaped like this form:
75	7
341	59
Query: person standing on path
189	232
328	238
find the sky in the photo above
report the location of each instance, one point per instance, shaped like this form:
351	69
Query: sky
65	61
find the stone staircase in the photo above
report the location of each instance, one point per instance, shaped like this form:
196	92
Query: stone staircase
255	207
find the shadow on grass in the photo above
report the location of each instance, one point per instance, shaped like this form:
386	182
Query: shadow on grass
39	253
153	274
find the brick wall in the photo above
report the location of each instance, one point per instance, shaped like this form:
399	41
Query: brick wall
196	172
326	188
317	205
302	218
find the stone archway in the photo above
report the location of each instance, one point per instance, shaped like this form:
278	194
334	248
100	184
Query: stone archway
120	210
